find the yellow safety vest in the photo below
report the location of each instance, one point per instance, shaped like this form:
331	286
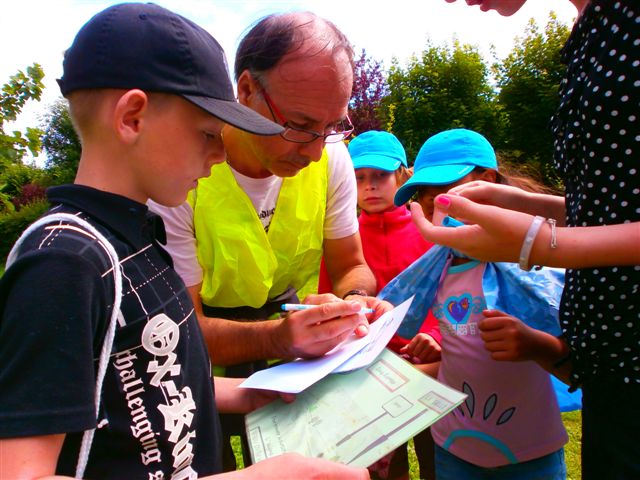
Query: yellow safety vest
242	264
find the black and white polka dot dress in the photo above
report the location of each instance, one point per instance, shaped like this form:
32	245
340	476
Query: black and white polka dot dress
597	151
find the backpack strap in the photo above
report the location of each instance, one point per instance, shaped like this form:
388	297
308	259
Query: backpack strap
107	345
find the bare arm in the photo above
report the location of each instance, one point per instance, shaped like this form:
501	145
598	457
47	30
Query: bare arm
348	271
509	339
30	457
585	247
231	399
35	458
430	369
496	234
347	267
308	333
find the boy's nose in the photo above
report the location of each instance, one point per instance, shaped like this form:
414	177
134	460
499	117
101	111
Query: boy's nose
217	154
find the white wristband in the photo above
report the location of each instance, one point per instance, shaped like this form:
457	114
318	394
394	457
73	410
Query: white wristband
527	244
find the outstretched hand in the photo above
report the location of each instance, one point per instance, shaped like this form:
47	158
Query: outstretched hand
492	234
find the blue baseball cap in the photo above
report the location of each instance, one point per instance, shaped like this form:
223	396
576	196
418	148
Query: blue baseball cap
379	150
445	158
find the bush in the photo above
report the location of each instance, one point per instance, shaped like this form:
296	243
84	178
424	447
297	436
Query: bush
12	179
30	192
13	223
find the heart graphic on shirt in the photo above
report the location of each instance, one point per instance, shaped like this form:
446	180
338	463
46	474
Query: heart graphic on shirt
458	309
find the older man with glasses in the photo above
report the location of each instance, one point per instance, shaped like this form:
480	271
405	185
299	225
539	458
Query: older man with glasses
251	236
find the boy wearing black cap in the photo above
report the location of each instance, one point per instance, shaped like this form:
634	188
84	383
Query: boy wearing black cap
97	332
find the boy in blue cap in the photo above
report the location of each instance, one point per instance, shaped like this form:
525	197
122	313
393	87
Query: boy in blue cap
97	332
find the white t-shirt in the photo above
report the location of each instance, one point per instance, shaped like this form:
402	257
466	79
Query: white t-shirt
340	220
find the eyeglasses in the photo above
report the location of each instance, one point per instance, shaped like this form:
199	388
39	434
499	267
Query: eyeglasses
300	135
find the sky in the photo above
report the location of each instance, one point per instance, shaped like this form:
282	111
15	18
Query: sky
40	30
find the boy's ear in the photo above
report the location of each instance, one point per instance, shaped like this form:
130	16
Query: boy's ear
248	87
129	114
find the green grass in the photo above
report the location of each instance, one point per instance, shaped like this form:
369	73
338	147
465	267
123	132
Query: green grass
572	422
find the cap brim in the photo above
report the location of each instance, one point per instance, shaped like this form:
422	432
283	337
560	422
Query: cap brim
404	193
378	162
237	115
437	175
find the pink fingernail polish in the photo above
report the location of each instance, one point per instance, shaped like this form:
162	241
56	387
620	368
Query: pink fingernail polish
443	200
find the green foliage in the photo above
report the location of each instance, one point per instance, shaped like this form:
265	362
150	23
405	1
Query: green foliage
13	223
529	79
446	87
61	143
21	88
13	177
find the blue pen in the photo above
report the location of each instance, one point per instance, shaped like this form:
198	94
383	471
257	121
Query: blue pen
294	307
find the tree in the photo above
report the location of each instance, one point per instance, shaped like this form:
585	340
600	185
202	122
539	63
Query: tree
369	87
446	87
61	143
529	79
21	88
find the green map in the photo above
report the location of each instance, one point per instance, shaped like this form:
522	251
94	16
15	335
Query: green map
353	418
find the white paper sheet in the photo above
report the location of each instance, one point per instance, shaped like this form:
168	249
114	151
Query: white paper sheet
355	353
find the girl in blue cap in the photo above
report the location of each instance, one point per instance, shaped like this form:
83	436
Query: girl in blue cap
390	242
497	432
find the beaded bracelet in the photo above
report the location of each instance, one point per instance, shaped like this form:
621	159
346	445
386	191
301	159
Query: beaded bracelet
527	244
554	239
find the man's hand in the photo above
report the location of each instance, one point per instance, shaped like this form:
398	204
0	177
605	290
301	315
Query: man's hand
314	332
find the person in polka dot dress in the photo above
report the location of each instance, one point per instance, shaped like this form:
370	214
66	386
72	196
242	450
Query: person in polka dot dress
596	235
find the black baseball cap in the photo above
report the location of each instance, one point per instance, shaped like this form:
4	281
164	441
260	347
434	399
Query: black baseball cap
145	46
